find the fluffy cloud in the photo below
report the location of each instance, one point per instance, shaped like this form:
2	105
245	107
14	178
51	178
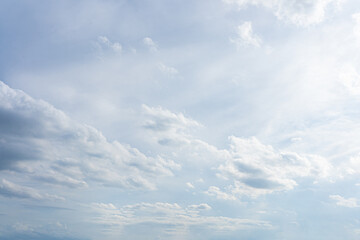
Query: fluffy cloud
258	169
170	217
246	37
344	202
114	46
167	127
251	167
150	44
42	142
299	12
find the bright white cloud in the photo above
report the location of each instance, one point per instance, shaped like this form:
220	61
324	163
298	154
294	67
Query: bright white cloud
45	144
246	37
167	127
345	202
190	185
259	169
299	12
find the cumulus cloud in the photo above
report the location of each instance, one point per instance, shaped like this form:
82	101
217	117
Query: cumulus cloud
344	202
258	169
42	142
169	128
249	167
298	12
171	216
106	43
245	36
12	190
153	47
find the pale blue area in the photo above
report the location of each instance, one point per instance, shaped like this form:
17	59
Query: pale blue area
286	93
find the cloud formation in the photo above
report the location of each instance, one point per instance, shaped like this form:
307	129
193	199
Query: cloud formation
106	43
301	13
259	169
171	217
12	190
345	202
153	47
45	144
246	37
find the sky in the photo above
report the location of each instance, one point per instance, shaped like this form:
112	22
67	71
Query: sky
179	120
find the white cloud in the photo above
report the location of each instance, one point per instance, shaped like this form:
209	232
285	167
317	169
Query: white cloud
298	12
171	217
114	46
190	185
200	207
45	144
249	167
345	202
167	127
215	191
167	70
150	44
12	190
258	169
246	37
356	29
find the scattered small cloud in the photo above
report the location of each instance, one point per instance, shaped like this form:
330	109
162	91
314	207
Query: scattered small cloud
216	192
106	43
189	185
345	202
246	37
170	71
153	47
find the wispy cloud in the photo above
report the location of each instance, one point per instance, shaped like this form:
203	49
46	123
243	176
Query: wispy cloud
12	190
302	13
345	202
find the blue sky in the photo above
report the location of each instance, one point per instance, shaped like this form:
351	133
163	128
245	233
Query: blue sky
217	119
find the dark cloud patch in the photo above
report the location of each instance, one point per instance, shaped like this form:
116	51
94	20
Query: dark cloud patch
261	183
